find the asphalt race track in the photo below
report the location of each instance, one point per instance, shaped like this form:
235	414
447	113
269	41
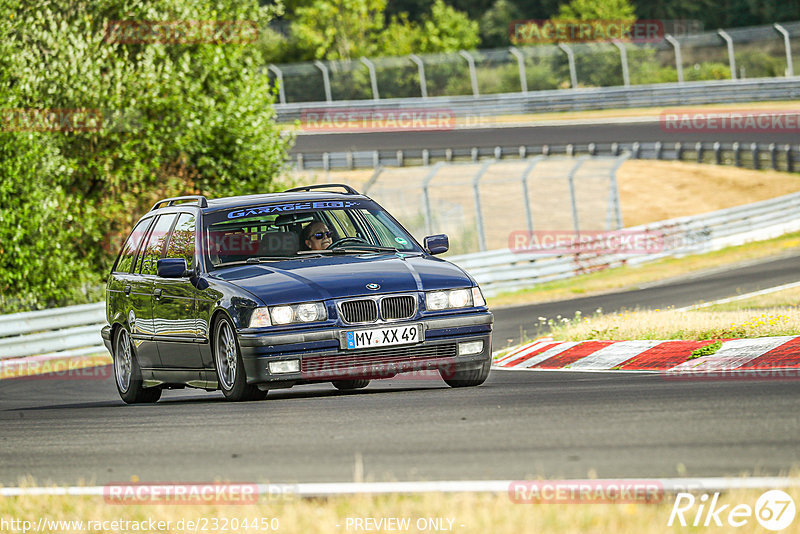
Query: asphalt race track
526	135
519	424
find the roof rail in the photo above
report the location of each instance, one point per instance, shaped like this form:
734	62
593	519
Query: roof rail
349	190
200	199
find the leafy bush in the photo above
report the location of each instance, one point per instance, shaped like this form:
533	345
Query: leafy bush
176	119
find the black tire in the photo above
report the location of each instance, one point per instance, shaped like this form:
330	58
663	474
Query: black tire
470	378
348	385
128	375
231	375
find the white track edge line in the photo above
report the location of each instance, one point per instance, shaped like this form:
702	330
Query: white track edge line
444	486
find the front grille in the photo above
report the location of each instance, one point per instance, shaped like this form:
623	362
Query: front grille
376	362
398	307
359	311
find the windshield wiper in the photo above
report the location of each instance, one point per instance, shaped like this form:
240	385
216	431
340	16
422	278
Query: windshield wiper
360	249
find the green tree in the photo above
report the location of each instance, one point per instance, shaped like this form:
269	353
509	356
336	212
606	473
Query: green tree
175	118
594	10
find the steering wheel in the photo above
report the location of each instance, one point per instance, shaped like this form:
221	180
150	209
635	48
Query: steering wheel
348	240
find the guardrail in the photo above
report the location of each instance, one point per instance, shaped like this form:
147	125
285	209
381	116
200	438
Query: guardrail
580	99
750	155
58	332
506	270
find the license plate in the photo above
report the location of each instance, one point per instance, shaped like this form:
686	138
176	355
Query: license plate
383	337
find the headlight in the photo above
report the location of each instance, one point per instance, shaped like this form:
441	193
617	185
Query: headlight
459	298
436	300
453	298
306	312
282	314
260	318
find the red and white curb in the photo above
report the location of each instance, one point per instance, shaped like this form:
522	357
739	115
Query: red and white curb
780	352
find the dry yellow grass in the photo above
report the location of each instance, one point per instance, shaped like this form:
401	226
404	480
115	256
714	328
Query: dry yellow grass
566	116
785	298
469	513
653	191
686	325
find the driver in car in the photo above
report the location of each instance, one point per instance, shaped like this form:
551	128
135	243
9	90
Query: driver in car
317	236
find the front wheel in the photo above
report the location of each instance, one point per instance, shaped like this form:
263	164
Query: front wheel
472	377
230	368
348	385
127	373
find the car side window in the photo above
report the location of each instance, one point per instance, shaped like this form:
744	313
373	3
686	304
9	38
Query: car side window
156	242
181	241
126	257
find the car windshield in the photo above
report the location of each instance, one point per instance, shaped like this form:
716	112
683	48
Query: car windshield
275	232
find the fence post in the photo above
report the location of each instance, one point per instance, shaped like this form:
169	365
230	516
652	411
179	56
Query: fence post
731	57
788	46
737	155
426	197
773	156
573	74
635	147
526	196
754	150
623	59
789	162
426	157
279	76
678	151
573	201
717	153
658	147
472	75
373	79
676	46
523	78
699	148
326	79
478	215
373	179
423	83
300	165
614	205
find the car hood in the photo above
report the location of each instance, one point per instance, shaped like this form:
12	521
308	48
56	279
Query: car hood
343	276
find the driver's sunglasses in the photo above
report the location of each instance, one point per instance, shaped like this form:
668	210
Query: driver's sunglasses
320	235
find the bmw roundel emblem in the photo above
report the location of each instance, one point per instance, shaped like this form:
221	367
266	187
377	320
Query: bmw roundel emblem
373	286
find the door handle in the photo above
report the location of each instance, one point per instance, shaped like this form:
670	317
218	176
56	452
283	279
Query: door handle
127	290
157	294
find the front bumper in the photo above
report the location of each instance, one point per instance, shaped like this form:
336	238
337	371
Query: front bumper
322	357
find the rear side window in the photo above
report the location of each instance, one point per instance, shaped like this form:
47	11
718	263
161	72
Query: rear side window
181	242
126	257
156	242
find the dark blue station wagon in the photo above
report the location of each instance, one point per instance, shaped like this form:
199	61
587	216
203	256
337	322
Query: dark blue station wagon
252	293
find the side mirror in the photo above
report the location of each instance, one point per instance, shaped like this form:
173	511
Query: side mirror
172	268
437	244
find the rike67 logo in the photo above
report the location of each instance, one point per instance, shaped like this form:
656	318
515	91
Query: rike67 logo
774	510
